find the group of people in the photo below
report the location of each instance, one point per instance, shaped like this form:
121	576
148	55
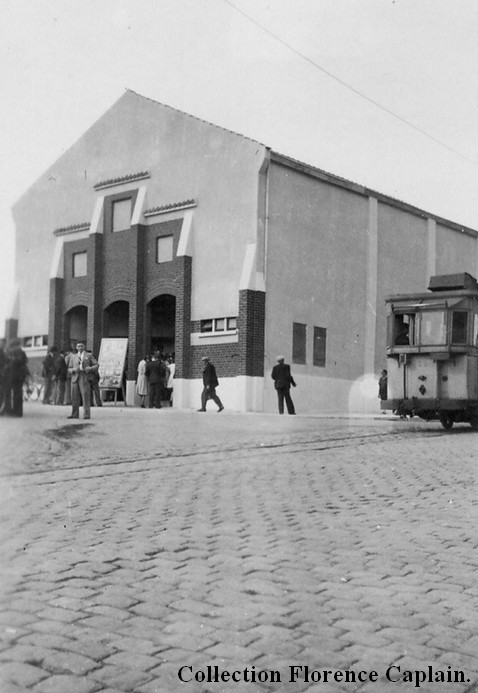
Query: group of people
155	380
13	374
58	377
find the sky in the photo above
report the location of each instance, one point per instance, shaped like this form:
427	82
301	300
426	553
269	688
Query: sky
381	92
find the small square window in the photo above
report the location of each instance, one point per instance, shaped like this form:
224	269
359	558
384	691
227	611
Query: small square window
122	215
299	338
79	264
206	325
38	341
220	324
28	342
164	249
232	323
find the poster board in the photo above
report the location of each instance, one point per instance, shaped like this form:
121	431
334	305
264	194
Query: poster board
112	360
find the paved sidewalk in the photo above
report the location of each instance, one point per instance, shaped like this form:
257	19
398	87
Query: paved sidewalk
142	542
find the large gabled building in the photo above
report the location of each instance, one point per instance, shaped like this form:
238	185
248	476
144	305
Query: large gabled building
183	236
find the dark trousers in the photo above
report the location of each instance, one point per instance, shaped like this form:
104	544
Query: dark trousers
14	398
283	393
96	393
81	388
155	391
48	391
210	394
59	391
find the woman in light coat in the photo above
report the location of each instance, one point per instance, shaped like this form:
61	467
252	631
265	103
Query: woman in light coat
142	381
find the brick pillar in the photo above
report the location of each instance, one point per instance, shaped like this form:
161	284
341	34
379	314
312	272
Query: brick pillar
137	308
56	318
182	337
95	293
251	328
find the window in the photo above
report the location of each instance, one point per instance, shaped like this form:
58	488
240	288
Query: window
433	330
459	327
79	264
404	329
122	215
164	249
320	338
299	338
219	325
38	340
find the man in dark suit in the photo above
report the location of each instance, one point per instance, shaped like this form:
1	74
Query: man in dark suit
283	379
82	366
210	382
155	372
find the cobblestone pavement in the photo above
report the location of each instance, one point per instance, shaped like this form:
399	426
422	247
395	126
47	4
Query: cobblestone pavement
144	541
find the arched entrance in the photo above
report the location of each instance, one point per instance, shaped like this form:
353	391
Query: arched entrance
76	321
162	320
116	322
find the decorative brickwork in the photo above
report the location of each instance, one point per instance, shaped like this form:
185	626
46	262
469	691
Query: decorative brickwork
122	266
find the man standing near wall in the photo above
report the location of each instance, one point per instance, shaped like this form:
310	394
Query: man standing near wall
82	367
210	382
283	379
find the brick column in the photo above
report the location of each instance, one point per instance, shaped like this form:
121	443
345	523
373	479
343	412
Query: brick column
183	317
95	292
251	327
137	308
55	317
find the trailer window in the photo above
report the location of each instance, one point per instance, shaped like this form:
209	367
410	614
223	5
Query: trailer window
433	330
403	329
459	327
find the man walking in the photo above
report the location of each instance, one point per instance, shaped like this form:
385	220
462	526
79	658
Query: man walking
82	366
283	379
210	382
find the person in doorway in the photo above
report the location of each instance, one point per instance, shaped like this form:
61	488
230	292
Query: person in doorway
383	387
210	382
283	379
170	383
142	382
82	366
155	372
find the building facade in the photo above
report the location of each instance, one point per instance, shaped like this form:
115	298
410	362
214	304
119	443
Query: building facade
188	238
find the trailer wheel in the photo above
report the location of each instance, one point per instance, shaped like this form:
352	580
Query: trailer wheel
446	420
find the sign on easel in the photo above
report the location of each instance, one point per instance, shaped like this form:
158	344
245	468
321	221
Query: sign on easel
112	360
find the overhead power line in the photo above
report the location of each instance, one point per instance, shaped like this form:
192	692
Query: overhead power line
349	86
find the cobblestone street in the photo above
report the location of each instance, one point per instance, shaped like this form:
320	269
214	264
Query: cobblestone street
143	542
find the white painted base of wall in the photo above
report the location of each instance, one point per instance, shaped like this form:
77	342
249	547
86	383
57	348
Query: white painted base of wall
322	395
311	396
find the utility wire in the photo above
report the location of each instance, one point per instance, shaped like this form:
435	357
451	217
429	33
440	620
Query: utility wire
349	86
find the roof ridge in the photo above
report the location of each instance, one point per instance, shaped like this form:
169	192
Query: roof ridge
190	115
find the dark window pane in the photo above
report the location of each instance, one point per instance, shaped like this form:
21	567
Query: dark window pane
459	327
206	325
320	338
299	336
